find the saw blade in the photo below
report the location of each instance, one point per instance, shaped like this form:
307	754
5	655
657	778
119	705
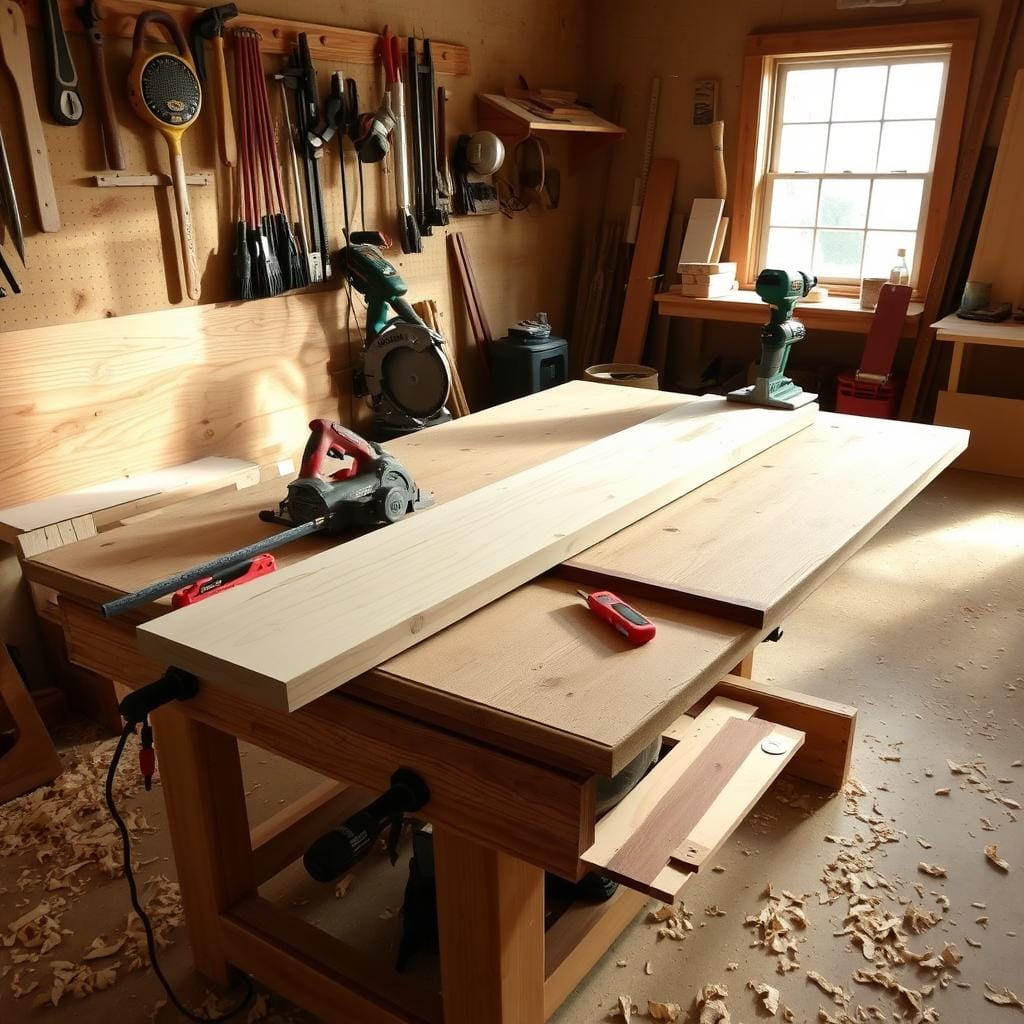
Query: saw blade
416	382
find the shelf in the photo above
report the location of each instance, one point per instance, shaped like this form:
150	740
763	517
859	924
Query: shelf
834	314
511	121
326	42
1007	334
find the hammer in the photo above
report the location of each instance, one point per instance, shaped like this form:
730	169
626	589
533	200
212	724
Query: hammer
210	25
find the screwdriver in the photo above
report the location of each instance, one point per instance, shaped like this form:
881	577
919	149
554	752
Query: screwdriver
623	617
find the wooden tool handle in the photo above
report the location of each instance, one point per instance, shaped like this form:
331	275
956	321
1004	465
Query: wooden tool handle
14	46
112	145
188	238
718	158
222	100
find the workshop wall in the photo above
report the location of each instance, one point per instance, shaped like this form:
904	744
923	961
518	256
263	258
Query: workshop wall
682	42
116	256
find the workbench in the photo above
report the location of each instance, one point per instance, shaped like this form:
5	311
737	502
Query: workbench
512	714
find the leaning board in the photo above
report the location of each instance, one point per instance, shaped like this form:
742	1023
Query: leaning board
293	636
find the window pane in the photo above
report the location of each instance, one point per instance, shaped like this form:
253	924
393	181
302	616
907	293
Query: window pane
789	248
880	251
860	93
802	147
808	95
794	203
852	146
914	90
844	204
896	204
837	254
906	146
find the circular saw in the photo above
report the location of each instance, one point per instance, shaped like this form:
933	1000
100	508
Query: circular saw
403	369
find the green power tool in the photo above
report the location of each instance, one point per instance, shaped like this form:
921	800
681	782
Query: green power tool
402	368
782	291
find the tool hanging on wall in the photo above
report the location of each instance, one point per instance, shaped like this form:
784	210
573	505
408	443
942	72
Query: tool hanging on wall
299	226
15	50
65	99
371	488
165	92
421	87
9	202
300	76
90	15
408	229
209	26
446	183
5	269
477	158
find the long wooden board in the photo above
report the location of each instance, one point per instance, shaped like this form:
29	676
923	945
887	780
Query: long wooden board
301	632
689	551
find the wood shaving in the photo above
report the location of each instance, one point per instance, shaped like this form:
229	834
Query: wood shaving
648	968
932	869
784	966
342	888
923	843
1009	803
714	911
711	1005
913	998
972	942
917	920
943	791
733	966
1003	996
787	1015
835	991
259	1009
663	1011
625	1007
992	853
769	996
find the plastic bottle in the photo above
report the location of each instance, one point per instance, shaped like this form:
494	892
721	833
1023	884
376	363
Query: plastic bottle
900	273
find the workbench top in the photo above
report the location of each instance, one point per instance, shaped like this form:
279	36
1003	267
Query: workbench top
534	672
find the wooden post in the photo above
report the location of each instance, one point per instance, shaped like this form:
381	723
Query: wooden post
202	781
490	910
745	668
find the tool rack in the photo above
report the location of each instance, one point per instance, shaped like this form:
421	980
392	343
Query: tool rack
512	793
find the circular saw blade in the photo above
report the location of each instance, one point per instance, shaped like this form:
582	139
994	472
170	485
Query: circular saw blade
416	382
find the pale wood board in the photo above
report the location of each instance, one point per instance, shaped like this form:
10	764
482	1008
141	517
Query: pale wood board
346	614
701	231
781	513
997	253
1009	334
996	426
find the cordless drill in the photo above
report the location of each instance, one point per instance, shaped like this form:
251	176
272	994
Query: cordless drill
782	291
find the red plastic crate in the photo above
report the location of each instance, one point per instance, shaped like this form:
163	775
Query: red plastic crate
867	398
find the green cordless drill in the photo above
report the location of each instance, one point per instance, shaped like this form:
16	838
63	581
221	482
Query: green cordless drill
782	291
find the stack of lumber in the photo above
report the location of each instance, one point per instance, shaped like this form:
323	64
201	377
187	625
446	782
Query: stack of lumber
705	280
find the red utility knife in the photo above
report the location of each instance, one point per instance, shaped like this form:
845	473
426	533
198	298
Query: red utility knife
252	569
624	617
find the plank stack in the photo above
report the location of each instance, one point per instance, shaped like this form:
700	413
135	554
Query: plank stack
705	280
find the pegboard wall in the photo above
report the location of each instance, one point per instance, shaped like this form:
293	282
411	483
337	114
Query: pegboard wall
116	255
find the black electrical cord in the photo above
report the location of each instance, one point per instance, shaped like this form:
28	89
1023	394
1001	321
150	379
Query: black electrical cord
129	730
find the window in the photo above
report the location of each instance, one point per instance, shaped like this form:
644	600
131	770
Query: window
854	152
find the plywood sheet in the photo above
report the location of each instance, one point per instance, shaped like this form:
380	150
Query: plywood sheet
299	633
750	545
996	425
701	231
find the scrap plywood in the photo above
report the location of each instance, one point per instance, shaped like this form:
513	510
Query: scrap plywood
747	545
292	636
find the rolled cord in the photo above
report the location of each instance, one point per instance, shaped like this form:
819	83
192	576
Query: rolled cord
129	874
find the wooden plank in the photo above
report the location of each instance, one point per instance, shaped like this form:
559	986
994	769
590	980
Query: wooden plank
497	537
205	802
1008	334
701	231
285	837
997	252
490	916
277	35
580	937
828	727
635	840
33	759
991	422
959	195
643	272
798	530
313	969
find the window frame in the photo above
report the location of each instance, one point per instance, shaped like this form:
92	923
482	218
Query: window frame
764	52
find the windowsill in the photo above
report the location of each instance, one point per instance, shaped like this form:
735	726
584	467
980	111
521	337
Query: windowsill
836	313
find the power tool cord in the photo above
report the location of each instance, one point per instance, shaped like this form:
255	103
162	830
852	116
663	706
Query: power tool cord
129	874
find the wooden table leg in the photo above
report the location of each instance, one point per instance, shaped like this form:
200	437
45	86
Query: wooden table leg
490	909
201	777
745	668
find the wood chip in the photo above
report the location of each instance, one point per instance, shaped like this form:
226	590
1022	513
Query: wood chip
992	853
932	869
663	1011
648	968
1003	996
924	843
769	996
944	791
342	888
972	942
711	1005
625	1007
835	991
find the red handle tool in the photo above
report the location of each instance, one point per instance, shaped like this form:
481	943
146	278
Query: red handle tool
332	439
231	577
624	618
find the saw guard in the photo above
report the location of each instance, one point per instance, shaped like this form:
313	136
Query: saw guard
417	338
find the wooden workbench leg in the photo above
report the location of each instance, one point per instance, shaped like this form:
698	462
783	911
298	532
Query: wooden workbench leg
490	911
201	777
745	668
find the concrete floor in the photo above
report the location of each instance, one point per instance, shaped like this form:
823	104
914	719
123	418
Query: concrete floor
924	632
